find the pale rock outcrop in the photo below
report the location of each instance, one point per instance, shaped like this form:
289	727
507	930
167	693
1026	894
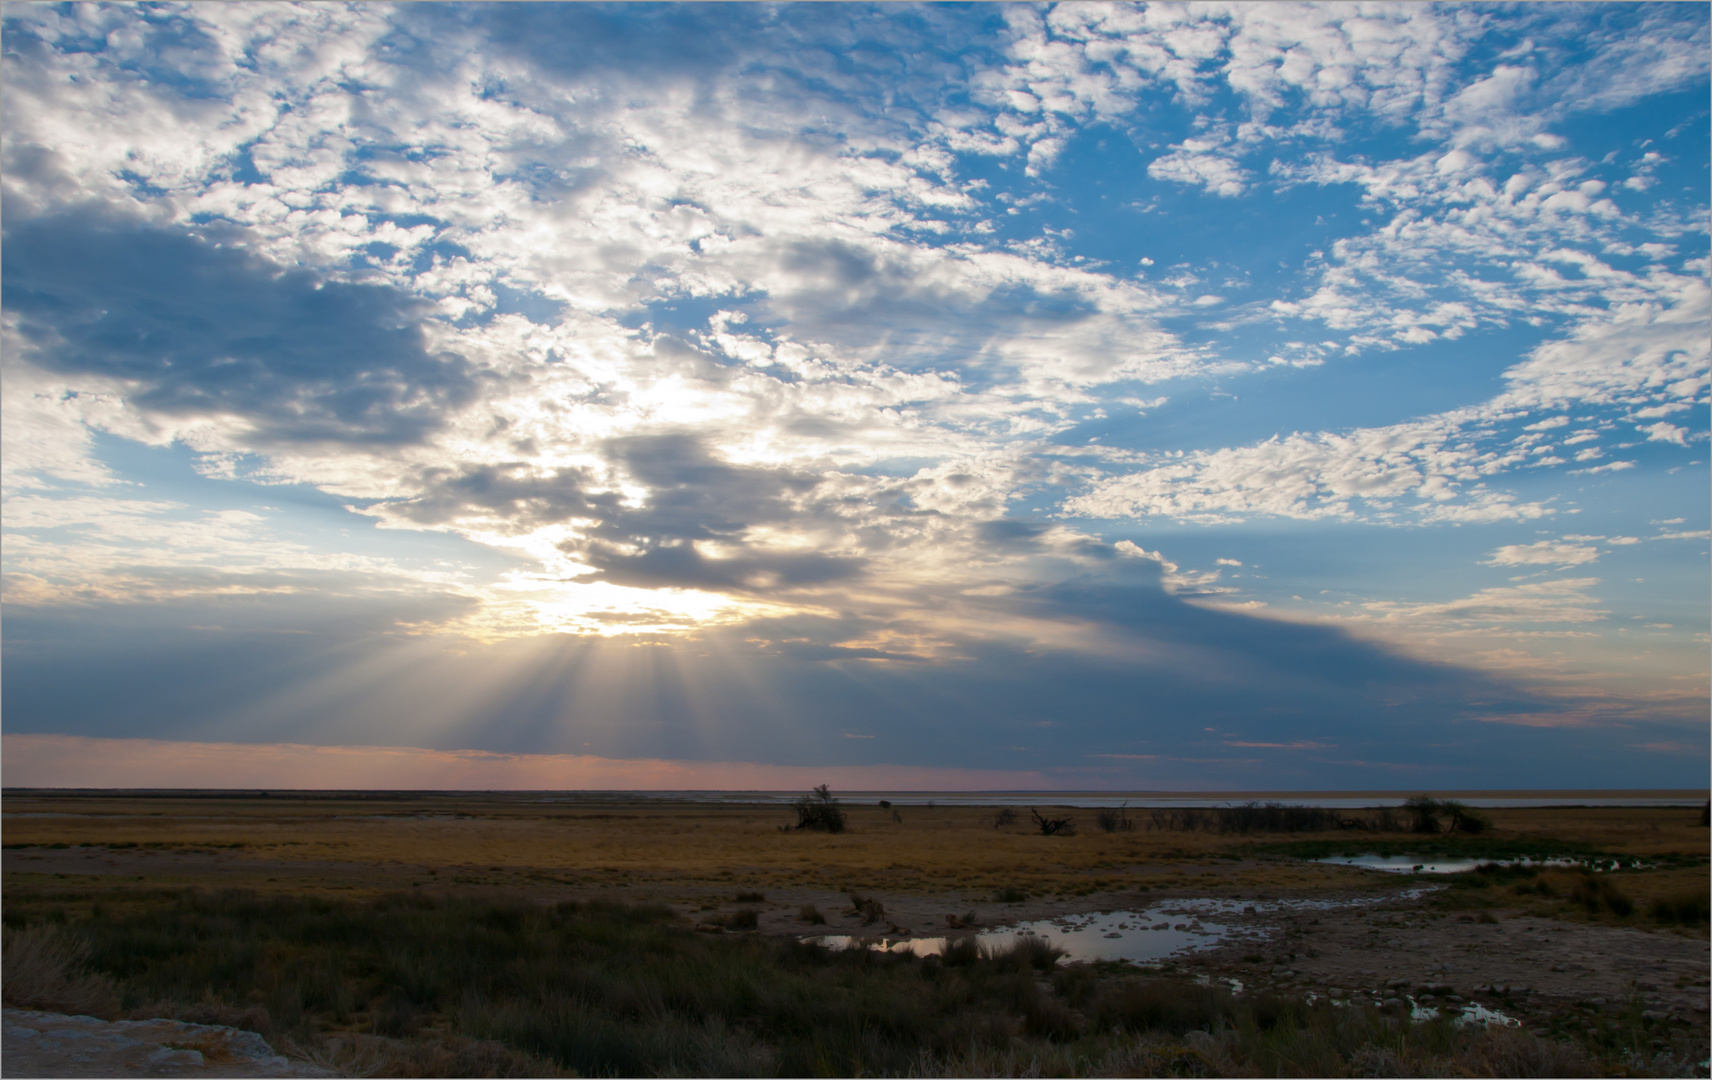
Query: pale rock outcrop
54	1045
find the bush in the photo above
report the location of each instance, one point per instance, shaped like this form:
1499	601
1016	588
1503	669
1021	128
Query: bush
819	810
1007	815
1111	821
808	913
1423	811
741	919
750	898
1009	895
1061	826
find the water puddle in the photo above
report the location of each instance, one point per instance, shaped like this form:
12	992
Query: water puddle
1442	864
1474	1013
1138	936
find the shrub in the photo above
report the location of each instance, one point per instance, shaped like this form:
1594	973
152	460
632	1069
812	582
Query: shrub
1462	819
1009	895
1053	826
808	913
1007	815
1423	811
819	810
750	898
741	919
1112	821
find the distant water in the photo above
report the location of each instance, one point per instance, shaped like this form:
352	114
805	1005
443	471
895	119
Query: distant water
1142	800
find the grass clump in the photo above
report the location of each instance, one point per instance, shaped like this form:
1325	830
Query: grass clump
810	914
45	968
1595	893
1684	908
741	919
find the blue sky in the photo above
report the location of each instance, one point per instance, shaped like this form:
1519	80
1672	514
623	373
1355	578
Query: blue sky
1075	396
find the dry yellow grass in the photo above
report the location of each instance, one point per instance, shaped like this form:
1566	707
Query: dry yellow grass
591	842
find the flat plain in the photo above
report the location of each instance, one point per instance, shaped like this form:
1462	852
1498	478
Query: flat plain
1607	967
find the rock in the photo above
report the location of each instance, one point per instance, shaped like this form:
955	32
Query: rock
54	1044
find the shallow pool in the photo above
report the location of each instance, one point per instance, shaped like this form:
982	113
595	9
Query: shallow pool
1140	936
1435	864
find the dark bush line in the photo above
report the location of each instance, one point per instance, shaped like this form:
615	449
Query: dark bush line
1420	814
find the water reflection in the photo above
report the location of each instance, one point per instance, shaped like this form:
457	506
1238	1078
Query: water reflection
1474	1013
1441	864
1140	936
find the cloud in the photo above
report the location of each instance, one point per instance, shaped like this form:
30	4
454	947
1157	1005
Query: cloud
775	691
796	338
1636	355
1543	553
189	329
1562	601
1190	163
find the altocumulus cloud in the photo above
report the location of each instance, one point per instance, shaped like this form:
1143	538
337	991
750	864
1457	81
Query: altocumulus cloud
1101	395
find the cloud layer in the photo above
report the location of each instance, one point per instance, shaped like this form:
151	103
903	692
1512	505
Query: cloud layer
917	330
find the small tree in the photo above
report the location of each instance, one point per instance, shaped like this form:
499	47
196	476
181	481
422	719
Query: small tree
1425	811
1462	819
819	810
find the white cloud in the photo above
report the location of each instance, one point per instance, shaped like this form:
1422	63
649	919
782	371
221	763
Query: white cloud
1437	468
1562	601
1543	553
1191	163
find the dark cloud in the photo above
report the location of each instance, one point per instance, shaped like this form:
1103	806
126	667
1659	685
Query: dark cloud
198	328
693	495
1182	697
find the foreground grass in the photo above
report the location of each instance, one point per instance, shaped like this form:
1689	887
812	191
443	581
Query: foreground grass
446	985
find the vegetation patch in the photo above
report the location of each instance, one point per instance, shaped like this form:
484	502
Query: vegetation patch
413	985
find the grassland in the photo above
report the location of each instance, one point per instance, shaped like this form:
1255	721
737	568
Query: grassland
518	840
518	935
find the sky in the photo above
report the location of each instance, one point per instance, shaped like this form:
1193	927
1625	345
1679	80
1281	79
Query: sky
1101	397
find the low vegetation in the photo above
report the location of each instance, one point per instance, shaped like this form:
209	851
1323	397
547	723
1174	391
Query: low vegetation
819	810
417	985
1052	826
1419	815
